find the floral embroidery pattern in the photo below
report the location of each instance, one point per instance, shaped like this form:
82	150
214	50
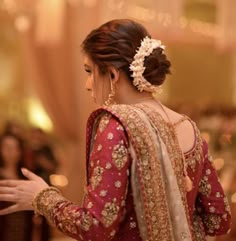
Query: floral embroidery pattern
110	136
104	122
103	193
119	155
109	213
212	222
118	184
68	225
198	229
96	177
86	221
205	186
227	207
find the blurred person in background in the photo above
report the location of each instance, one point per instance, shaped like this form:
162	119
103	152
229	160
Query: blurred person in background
44	163
149	172
13	127
15	226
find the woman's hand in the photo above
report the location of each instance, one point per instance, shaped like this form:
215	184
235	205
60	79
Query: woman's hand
21	192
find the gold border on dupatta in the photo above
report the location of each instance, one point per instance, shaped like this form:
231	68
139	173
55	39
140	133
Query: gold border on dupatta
153	197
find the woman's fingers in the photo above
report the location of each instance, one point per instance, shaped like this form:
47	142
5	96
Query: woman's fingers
30	175
6	190
21	192
9	183
8	197
11	209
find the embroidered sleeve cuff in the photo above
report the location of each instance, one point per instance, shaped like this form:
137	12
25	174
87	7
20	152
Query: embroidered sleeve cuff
46	200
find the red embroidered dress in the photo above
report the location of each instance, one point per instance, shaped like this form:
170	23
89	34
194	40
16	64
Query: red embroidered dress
122	197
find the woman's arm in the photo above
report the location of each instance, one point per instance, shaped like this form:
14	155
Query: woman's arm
212	204
104	206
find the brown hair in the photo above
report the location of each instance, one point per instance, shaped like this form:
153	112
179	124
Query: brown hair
115	43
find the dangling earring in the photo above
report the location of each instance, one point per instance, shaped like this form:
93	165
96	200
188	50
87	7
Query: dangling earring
111	96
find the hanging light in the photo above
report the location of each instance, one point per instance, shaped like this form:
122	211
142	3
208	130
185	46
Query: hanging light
22	11
58	180
218	163
37	115
22	23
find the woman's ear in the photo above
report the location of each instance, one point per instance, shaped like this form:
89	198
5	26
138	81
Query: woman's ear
114	74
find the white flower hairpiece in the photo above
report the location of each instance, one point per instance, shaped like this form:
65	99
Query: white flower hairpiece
137	66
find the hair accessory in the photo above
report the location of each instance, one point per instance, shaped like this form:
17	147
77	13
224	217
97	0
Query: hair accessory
137	66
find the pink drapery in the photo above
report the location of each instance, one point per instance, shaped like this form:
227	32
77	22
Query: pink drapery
226	20
55	71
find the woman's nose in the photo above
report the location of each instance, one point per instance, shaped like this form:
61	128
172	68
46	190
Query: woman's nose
88	85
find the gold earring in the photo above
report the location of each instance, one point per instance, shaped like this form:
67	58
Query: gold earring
111	96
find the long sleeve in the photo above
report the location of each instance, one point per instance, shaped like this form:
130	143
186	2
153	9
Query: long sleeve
212	204
104	204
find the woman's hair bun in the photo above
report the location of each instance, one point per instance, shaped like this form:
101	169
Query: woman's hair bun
157	66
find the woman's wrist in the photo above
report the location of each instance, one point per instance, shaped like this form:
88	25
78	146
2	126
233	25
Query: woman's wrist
44	198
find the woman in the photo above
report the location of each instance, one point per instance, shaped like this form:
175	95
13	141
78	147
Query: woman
15	226
149	172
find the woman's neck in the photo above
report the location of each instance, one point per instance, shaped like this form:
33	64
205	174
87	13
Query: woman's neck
126	92
132	96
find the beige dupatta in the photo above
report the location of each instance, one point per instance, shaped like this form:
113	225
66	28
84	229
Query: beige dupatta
156	177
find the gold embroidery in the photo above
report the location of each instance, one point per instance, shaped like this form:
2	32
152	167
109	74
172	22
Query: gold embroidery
118	184
86	221
119	155
110	213
113	232
217	194
198	229
104	122
99	148
90	205
103	193
195	156
212	222
132	224
67	226
46	198
167	134
157	226
212	209
95	222
96	177
108	165
120	127
205	186
110	136
227	207
208	171
45	203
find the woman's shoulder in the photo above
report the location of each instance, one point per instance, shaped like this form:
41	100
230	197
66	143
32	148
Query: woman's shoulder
115	113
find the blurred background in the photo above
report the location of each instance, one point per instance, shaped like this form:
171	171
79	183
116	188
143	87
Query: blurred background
43	100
